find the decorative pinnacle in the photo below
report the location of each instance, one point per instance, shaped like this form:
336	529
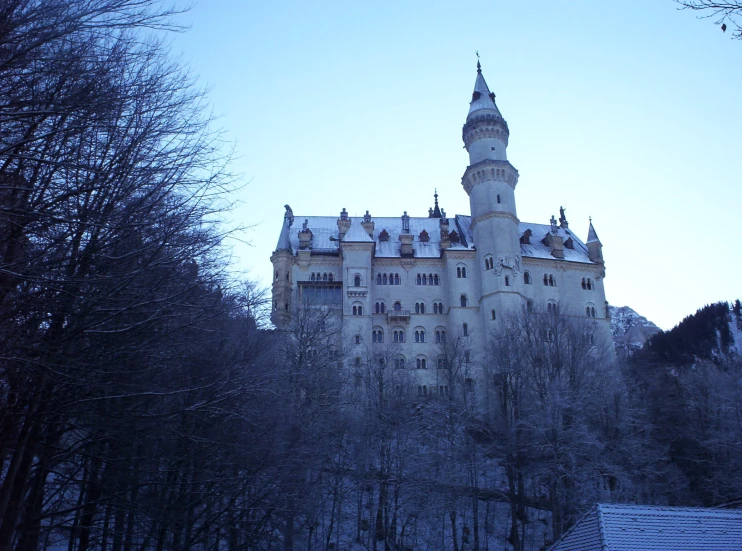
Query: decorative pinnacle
479	66
436	196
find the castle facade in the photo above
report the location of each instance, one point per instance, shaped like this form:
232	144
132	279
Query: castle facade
412	284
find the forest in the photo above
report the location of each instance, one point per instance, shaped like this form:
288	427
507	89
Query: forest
146	403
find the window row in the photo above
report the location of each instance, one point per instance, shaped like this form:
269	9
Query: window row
427	279
422	390
316	276
388	279
420	308
587	283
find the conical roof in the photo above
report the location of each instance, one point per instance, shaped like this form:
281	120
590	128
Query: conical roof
482	100
592	236
284	241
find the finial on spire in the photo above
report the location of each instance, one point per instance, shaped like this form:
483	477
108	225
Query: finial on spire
479	66
435	212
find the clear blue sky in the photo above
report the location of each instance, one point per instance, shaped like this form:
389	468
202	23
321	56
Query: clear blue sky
627	111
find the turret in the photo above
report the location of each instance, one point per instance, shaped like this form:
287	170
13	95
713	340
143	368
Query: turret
283	260
594	246
490	181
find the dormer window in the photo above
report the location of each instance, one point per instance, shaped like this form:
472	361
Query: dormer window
424	237
384	235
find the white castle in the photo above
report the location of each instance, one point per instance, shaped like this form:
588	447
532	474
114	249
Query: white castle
415	283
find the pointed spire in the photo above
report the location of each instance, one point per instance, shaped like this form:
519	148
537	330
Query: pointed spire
284	241
435	212
592	236
482	99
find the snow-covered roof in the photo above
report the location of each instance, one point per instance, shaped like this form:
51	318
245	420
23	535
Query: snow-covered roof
325	237
537	249
357	234
481	100
649	528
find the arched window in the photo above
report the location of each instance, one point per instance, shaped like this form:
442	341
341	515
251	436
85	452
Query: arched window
464	301
419	334
421	363
377	335
589	284
425	279
488	263
437	307
396	279
398	335
527	278
357	310
552	280
507	281
378	279
384	279
397	306
379	307
420	307
546	280
356	280
498	198
276	276
592	311
430	279
399	362
419	279
465	329
436	279
440	335
330	277
357	339
312	278
551	307
584	283
324	278
493	314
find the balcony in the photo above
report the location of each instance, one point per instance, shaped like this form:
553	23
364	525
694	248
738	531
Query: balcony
398	315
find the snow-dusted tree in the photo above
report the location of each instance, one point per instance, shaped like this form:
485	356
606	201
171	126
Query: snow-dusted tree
557	395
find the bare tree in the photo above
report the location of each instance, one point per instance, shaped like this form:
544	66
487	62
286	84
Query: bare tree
722	13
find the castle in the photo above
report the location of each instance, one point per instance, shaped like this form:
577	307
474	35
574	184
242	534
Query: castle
415	283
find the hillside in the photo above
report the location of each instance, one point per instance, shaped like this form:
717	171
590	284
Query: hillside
630	330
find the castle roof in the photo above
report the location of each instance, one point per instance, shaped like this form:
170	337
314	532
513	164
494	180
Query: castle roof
591	234
357	234
648	528
325	237
482	99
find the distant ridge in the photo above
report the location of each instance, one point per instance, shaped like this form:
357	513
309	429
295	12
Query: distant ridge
630	330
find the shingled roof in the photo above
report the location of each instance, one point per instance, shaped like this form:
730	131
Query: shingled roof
648	528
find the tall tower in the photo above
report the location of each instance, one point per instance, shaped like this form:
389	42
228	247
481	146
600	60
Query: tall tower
490	182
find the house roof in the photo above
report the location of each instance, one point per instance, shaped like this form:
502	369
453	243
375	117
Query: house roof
325	237
610	527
